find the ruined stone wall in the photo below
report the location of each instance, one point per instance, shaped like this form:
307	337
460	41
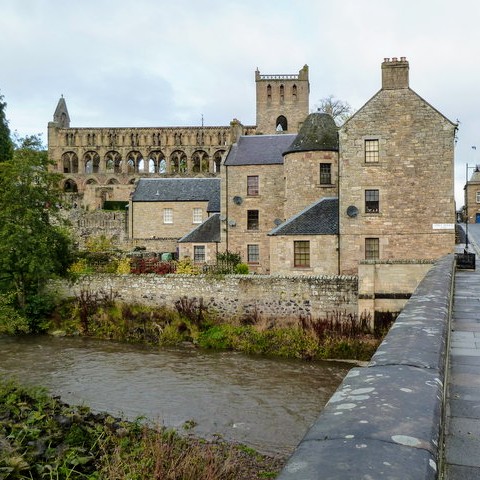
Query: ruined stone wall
111	224
234	297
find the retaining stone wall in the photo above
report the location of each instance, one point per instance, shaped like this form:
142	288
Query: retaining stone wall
385	420
233	297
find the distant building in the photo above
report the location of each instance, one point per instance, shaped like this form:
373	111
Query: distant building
472	198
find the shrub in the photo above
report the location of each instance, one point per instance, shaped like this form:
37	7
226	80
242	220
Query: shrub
241	269
186	266
11	321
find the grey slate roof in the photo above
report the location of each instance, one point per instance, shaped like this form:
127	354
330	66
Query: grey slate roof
207	232
320	218
318	132
179	190
259	150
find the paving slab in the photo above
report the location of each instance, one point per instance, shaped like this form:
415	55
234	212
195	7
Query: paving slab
462	436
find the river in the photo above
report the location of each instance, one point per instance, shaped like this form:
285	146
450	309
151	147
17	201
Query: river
265	403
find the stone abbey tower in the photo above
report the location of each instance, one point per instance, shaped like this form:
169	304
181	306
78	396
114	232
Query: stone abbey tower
282	101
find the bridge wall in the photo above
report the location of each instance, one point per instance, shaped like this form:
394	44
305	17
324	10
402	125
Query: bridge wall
385	419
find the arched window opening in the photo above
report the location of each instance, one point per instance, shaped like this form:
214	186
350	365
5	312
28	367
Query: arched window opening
200	162
112	181
141	166
294	92
281	124
178	162
217	160
269	92
91	181
134	159
113	162
154	159
92	162
70	186
282	93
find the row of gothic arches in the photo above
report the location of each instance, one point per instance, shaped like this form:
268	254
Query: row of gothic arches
134	162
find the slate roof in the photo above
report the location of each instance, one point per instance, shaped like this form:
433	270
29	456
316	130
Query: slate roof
179	190
259	150
320	218
207	232
318	132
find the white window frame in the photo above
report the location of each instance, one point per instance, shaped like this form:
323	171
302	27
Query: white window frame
168	215
253	250
197	215
477	197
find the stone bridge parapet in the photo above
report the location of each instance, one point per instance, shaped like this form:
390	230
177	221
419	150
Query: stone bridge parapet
385	420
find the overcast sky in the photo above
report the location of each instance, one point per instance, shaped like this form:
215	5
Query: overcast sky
168	62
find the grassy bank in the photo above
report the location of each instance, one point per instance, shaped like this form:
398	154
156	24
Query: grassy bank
43	438
98	314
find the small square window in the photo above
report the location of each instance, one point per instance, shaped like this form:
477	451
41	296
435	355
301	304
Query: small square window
301	254
372	151
325	174
372	201
252	185
252	220
199	253
168	215
253	254
197	215
372	249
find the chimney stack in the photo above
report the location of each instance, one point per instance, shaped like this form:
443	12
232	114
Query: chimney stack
394	73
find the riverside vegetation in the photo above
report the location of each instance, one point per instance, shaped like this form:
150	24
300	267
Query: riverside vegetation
99	314
44	438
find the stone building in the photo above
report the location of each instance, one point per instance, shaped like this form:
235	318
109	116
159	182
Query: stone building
319	202
396	185
297	194
102	164
162	210
472	198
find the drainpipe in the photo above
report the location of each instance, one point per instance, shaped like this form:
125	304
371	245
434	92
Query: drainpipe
338	217
226	206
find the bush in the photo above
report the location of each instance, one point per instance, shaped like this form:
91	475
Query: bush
241	269
186	266
11	321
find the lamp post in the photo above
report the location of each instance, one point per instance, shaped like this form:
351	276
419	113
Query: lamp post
466	202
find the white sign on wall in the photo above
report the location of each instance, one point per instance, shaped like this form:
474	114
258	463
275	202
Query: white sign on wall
443	226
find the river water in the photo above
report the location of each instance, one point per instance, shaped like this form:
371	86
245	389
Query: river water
265	403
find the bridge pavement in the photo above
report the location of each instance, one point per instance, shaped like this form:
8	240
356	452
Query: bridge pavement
462	438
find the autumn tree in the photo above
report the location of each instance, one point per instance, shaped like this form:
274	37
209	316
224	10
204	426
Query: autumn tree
340	110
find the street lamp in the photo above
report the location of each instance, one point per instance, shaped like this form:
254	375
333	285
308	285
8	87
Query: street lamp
466	202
